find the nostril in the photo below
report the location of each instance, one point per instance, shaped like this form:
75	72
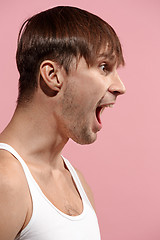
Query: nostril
116	93
119	91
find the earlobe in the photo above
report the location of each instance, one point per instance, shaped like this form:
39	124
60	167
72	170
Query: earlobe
49	74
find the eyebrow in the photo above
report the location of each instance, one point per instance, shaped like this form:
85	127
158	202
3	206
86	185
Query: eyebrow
107	55
109	59
104	55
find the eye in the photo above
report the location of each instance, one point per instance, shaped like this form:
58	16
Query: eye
104	67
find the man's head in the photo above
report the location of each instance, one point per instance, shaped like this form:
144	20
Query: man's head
63	34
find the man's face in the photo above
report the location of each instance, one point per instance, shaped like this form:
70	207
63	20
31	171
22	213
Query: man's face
87	92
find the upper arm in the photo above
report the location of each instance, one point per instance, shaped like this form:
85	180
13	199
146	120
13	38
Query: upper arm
12	202
86	188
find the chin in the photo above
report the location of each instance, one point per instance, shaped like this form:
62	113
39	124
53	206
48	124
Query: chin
85	139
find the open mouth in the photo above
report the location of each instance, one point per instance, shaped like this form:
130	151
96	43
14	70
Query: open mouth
98	113
100	109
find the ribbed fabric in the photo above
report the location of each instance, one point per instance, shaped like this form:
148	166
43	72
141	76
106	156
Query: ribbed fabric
48	222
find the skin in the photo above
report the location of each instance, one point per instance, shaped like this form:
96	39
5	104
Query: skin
85	89
63	107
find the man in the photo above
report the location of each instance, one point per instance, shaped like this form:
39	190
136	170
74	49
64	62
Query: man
67	59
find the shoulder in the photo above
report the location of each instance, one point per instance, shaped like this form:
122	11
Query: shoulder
86	188
13	207
11	171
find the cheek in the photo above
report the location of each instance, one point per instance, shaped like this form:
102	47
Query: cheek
93	91
89	95
82	95
71	105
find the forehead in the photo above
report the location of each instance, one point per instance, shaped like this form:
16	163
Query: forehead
111	52
108	57
107	51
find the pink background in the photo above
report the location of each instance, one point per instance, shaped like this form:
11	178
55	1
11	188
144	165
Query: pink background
123	165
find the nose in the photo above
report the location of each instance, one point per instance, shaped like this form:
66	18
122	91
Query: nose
116	87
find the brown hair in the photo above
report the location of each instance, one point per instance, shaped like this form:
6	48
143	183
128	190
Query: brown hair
61	34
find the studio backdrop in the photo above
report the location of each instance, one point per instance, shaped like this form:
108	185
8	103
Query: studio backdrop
123	165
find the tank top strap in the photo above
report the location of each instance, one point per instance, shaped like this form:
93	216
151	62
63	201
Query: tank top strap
4	146
31	181
77	181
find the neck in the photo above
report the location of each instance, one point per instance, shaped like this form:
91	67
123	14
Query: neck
34	132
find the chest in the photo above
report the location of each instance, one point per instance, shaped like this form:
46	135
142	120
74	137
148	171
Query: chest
61	190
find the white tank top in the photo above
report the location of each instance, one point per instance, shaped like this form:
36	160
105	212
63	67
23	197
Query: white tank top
48	222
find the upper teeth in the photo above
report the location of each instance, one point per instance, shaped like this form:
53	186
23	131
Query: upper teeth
110	105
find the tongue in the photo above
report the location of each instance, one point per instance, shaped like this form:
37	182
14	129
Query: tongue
98	110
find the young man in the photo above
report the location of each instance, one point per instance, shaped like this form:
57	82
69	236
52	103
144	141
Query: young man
67	60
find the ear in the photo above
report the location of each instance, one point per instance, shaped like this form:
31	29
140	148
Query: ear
49	71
